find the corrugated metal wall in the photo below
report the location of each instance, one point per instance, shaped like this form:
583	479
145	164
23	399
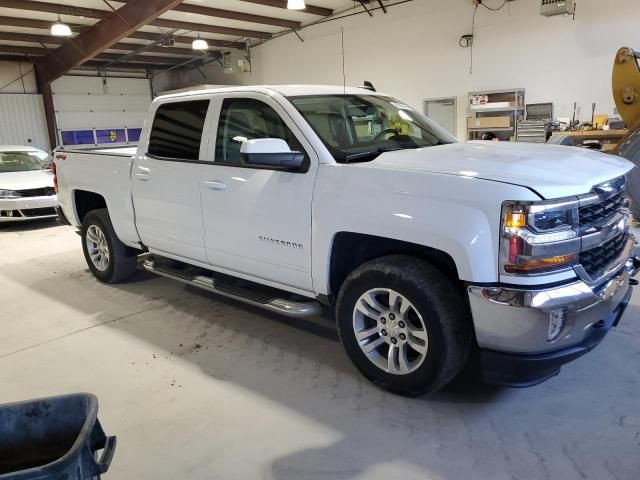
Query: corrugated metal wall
22	120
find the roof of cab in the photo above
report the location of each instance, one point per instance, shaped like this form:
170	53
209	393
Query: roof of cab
286	90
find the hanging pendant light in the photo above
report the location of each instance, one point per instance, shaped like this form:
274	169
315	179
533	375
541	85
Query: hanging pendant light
199	44
60	29
296	5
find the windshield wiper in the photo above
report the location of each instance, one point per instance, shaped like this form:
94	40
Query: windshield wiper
369	153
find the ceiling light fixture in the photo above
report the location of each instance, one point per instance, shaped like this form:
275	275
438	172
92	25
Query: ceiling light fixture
60	29
296	5
199	44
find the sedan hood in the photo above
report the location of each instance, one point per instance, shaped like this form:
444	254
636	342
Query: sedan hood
25	180
552	171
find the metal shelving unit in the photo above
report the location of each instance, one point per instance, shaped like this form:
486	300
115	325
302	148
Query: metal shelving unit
515	111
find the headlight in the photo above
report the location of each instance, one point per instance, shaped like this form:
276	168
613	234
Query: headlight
9	194
539	237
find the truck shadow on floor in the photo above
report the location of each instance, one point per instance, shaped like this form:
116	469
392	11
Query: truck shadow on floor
300	363
467	430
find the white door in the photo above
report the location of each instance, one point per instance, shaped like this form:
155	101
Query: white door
443	112
22	120
257	220
100	110
166	181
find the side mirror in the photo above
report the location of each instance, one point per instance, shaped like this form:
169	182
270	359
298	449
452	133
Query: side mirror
273	152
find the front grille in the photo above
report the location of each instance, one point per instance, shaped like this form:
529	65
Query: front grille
38	212
591	215
596	260
37	192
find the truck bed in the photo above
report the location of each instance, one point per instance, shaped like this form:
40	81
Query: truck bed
102	171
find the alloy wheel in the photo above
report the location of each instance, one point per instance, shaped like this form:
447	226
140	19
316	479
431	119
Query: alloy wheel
390	331
97	247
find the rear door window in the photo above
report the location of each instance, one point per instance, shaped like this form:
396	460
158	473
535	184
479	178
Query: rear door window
176	132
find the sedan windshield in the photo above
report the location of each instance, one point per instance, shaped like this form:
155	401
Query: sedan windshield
357	128
22	161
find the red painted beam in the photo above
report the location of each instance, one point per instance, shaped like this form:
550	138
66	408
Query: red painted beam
108	31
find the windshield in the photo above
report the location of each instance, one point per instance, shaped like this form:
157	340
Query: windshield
22	161
358	128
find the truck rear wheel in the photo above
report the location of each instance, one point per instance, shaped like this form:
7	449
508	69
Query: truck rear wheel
110	260
404	325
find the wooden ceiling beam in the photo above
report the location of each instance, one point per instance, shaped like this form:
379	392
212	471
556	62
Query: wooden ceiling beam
77	28
93	63
187	40
48	39
107	57
67	10
203	27
99	37
233	15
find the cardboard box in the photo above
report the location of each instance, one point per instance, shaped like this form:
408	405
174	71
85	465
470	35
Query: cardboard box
492	105
489	122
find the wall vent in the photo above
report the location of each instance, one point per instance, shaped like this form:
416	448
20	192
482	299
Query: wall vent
551	8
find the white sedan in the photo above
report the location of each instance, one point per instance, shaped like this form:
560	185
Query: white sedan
26	184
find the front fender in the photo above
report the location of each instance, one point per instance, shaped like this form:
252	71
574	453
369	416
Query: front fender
454	214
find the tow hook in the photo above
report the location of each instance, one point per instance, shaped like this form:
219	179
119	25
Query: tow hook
633	267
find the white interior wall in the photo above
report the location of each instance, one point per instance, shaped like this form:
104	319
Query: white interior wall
413	53
12	76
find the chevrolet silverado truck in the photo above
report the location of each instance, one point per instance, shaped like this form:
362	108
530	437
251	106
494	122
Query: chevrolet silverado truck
433	254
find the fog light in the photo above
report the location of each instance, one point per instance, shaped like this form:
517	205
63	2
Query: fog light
557	319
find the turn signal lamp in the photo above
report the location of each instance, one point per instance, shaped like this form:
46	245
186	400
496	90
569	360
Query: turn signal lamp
515	220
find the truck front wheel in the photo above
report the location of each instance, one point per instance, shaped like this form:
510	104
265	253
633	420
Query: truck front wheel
108	258
404	324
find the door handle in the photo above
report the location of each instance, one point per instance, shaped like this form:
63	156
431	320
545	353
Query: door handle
143	174
215	185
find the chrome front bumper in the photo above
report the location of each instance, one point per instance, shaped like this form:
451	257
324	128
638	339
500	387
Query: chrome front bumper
515	320
27	208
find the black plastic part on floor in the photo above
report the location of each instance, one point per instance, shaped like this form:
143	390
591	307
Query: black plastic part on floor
53	438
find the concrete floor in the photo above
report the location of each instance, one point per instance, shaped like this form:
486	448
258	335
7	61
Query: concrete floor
197	387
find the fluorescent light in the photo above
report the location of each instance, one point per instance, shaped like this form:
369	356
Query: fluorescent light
296	5
60	29
199	44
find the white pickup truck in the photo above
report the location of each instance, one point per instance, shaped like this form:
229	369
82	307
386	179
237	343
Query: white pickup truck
432	253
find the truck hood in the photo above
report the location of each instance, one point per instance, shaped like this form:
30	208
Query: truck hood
25	180
553	171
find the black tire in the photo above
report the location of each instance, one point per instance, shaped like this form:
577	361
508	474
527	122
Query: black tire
630	150
442	307
123	260
566	140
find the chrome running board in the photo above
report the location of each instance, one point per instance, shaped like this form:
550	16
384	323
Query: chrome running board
243	291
